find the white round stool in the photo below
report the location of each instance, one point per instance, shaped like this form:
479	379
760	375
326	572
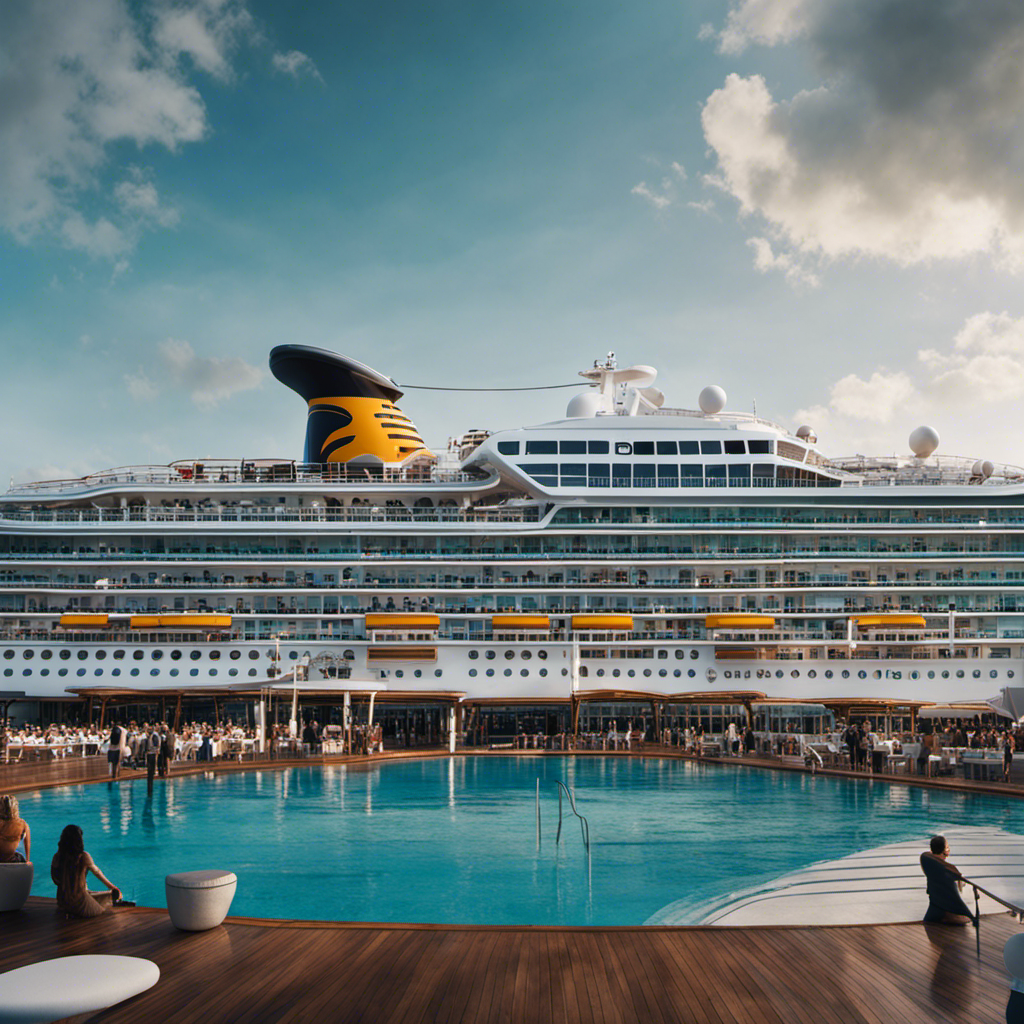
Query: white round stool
199	900
69	985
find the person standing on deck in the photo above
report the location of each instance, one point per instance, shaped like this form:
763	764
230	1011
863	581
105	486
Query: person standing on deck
1007	757
114	751
152	754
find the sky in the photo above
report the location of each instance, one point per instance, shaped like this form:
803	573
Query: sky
816	204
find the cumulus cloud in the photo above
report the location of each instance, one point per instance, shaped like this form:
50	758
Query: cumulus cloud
766	260
296	64
912	147
208	380
981	371
140	387
76	78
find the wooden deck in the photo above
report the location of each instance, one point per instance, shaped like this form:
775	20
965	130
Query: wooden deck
282	971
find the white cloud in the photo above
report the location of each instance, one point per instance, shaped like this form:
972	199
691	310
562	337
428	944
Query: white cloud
296	64
911	150
964	388
209	380
666	193
658	200
75	78
766	260
139	197
140	387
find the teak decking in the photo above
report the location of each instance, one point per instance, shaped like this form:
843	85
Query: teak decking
269	971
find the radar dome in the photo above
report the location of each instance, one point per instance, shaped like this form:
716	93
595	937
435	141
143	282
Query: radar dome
987	469
806	433
924	441
711	400
583	406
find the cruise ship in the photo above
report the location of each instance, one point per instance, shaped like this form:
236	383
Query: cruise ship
625	548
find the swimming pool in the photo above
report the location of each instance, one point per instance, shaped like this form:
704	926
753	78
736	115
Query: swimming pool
453	840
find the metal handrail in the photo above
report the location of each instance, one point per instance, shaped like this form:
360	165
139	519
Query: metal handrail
1012	907
584	824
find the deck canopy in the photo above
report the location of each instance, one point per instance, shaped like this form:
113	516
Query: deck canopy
739	622
605	623
535	623
84	621
885	621
402	620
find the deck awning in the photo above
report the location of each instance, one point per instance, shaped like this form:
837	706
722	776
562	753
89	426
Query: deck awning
527	622
735	653
607	623
180	622
402	620
955	711
882	621
84	621
739	622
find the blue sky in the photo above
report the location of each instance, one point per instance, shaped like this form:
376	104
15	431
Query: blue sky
815	204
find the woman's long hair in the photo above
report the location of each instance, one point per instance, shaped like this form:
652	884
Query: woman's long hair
70	848
8	808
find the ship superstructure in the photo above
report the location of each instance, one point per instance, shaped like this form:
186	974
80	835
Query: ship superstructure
627	546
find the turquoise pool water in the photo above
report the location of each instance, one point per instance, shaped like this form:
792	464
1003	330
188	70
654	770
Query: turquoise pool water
454	840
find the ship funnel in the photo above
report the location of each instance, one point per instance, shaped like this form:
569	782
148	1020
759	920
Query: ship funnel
352	414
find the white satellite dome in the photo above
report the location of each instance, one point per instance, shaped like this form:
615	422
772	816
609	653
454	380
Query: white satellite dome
712	399
583	406
806	433
923	441
983	468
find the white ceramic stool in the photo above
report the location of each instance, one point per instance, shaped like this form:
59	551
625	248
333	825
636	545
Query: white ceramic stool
199	900
55	989
15	884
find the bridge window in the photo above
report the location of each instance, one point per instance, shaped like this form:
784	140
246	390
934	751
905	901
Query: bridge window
541	447
711	447
508	447
572	447
597	447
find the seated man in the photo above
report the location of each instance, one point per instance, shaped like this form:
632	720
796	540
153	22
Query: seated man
944	881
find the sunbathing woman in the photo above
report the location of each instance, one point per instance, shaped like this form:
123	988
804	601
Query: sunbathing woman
12	831
68	870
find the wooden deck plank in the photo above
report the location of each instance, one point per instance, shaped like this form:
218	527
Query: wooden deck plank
247	971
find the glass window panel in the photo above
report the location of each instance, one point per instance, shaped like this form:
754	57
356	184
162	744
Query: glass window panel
643	447
759	447
689	448
667	448
508	447
597	447
735	448
541	447
706	447
573	447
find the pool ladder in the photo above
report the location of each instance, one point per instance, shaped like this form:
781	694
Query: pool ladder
584	824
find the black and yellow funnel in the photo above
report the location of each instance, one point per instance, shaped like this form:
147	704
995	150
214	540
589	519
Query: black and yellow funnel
352	412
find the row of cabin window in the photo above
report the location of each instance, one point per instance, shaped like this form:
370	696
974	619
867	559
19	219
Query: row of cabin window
753	447
595	474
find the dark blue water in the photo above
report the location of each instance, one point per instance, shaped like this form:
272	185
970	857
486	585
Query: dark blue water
455	841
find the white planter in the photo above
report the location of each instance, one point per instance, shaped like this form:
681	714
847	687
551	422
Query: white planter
15	885
199	900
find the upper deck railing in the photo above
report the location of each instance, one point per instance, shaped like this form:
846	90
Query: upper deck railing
202	473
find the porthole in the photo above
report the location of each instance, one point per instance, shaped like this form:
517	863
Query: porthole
118	655
44	671
175	655
8	654
931	673
82	655
1009	673
508	671
647	671
399	673
135	672
195	655
527	655
795	674
811	674
235	655
846	673
231	671
977	673
194	671
877	674
993	674
662	654
64	654
28	671
473	655
293	655
154	671
46	655
138	655
680	653
779	673
915	674
62	671
28	654
524	672
691	672
253	655
213	671
472	673
543	671
489	655
253	672
115	671
213	655
490	672
959	673
694	655
616	673
600	672
509	654
100	655
862	674
663	672
174	671
945	673
542	655
98	672
157	654
81	672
